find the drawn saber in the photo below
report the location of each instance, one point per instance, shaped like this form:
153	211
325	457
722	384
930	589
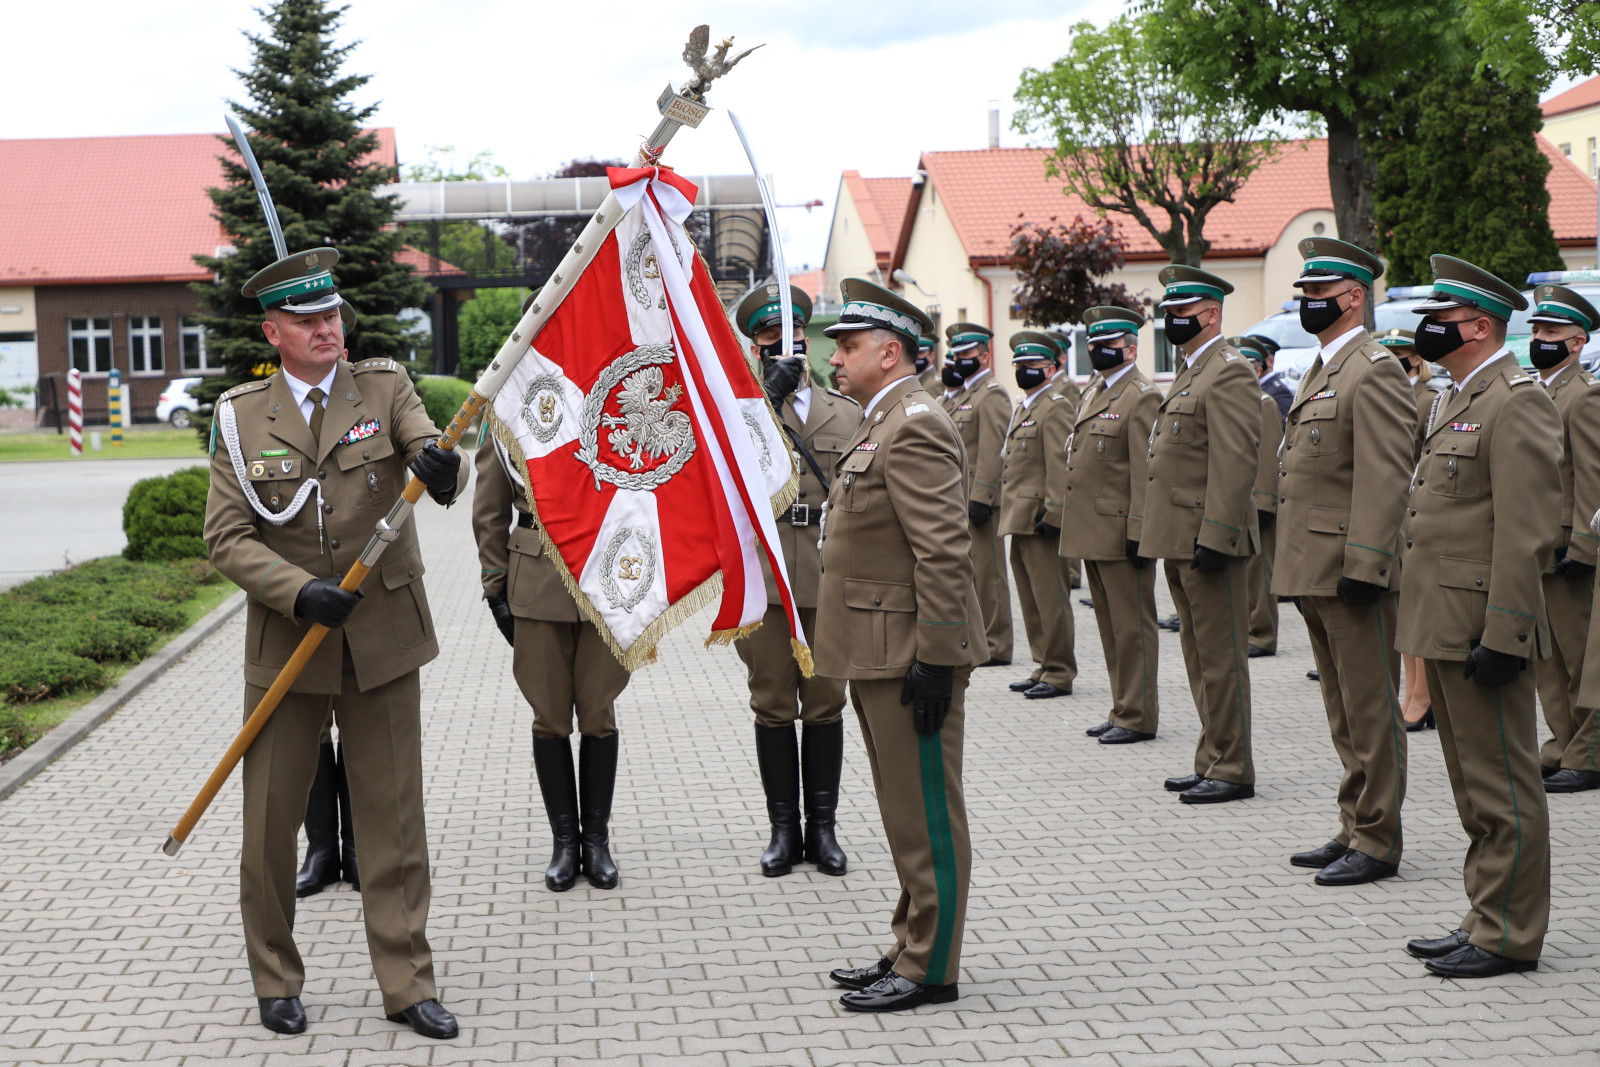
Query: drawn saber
780	268
267	207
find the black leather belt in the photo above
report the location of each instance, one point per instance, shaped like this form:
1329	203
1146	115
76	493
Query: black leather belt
801	515
525	519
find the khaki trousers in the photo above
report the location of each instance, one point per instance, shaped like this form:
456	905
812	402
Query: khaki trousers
1573	734
1491	749
994	594
565	671
918	782
1360	670
1046	608
1263	605
779	694
1213	608
381	732
1125	610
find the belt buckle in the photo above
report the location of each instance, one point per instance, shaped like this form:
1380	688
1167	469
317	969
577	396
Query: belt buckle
800	515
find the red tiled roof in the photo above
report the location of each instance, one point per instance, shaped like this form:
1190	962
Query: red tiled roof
1584	94
79	210
986	192
881	203
422	263
809	282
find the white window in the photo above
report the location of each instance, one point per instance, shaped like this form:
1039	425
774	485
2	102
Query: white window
145	353
1594	158
89	341
192	340
1566	149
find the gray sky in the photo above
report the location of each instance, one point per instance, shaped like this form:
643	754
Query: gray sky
839	85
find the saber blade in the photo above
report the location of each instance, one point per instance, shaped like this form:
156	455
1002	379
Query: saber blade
780	267
267	208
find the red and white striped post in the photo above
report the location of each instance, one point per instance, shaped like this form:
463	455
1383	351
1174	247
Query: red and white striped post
75	409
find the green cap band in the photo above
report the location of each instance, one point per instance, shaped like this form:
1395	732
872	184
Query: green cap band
1341	266
969	338
1566	311
774	308
273	295
1028	348
1397	342
1195	289
1481	298
1113	326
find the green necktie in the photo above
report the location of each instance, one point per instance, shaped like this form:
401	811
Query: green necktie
316	396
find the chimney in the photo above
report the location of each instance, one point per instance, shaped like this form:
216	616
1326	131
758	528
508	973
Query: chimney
994	124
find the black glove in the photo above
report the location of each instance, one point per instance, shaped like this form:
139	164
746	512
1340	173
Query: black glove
927	689
436	468
1266	520
979	514
1044	529
502	616
1567	567
322	601
1208	560
1489	668
782	377
1137	560
1359	593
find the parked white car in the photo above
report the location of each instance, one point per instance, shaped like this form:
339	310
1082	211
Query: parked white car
1296	348
177	405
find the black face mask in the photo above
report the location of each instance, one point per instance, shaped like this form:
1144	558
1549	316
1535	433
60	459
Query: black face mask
950	376
775	350
1546	354
1436	340
921	363
1104	357
968	366
1032	377
1317	315
1180	331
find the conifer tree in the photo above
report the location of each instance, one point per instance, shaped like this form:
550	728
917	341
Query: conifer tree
308	137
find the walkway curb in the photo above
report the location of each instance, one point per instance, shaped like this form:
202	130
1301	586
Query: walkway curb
43	752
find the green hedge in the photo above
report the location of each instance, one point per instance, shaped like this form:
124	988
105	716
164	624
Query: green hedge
164	518
443	397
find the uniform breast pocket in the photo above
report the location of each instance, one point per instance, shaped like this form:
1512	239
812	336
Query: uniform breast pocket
1179	418
853	492
1026	440
1318	428
827	448
276	479
1455	468
1104	439
369	461
522	583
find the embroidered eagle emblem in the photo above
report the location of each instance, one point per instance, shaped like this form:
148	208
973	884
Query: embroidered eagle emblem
647	427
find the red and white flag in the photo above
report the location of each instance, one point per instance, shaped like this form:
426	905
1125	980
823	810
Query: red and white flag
655	463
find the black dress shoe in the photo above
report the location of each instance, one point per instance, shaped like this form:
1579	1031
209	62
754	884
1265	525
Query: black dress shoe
282	1015
895	993
1117	735
1427	722
1356	868
861	977
1571	780
1256	652
1431	948
1545	772
1023	686
1470	961
1319	857
992	662
428	1019
1171	622
1044	691
1086	602
1213	791
1097	730
1178	785
1314	675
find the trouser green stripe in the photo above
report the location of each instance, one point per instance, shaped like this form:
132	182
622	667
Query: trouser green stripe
1516	813
937	810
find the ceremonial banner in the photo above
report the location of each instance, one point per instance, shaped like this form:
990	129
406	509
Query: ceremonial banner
654	461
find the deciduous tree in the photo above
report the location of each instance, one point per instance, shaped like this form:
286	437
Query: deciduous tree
1060	267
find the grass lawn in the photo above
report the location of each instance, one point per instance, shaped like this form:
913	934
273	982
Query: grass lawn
139	442
42	716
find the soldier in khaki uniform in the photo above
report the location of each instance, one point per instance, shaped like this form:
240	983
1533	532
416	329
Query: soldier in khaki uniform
1263	605
303	464
1099	481
1482	520
562	665
1346	463
1200	518
927	364
1561	322
982	412
898	616
819	423
1065	386
1038	431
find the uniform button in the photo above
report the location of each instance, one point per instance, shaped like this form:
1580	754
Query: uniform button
1408	544
1283	500
1288	446
802	495
334	542
1382	573
411	574
1413	511
322	474
1341	526
963	644
327	509
1427	451
366	455
878	600
1479	581
1295	421
1522	637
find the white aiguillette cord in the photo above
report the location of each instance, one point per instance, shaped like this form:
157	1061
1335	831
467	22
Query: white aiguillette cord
230	439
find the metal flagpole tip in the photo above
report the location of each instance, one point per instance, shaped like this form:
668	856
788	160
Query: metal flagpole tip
172	846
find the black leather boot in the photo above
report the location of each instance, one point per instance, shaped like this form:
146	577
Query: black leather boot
347	830
779	760
321	868
597	780
552	762
821	757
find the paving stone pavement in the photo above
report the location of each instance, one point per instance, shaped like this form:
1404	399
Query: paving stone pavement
1108	923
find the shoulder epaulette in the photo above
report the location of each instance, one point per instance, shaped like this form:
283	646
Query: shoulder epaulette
1059	399
841	396
1518	379
247	387
373	364
1144	387
1377	352
992	384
